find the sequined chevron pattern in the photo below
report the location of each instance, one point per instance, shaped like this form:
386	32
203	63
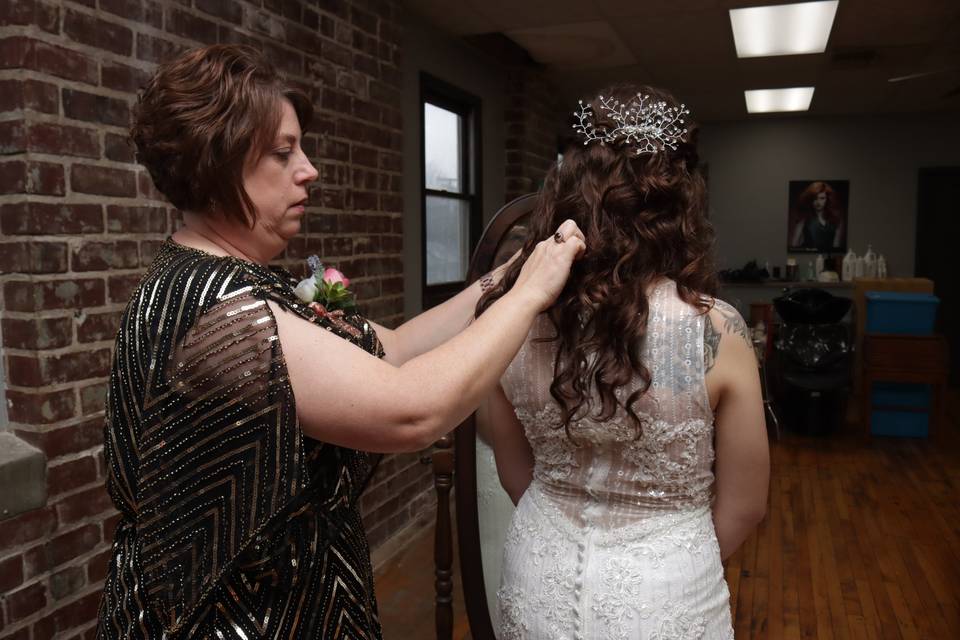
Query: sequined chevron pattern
233	524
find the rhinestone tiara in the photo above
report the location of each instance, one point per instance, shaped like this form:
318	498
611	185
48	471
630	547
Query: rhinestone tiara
647	125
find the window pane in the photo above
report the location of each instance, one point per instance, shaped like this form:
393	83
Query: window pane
441	135
448	238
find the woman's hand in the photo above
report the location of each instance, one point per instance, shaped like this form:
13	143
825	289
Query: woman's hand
547	268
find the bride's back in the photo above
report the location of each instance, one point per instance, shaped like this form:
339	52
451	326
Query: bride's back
609	472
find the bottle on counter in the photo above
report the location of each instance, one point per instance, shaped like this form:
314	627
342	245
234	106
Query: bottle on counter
859	271
870	263
849	266
881	267
819	265
811	271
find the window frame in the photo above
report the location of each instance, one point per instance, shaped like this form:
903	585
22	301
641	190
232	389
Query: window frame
468	106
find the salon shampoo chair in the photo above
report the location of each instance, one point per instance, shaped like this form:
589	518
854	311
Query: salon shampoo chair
814	352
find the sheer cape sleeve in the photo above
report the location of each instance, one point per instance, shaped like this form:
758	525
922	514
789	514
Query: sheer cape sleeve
206	459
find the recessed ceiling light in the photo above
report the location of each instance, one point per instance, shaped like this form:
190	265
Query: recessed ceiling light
782	30
772	100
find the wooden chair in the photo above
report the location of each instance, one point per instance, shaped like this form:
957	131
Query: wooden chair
454	459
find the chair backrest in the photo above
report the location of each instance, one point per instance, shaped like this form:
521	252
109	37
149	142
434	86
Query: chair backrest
503	236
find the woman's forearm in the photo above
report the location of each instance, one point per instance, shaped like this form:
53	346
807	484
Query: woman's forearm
733	529
452	379
435	326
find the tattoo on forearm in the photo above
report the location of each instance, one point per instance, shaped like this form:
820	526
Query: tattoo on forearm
486	282
711	344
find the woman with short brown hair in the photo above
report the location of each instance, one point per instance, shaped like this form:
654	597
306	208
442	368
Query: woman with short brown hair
238	415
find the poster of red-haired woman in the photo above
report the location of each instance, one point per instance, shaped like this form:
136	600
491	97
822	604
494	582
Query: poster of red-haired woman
817	222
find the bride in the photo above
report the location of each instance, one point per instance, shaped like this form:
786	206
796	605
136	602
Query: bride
629	429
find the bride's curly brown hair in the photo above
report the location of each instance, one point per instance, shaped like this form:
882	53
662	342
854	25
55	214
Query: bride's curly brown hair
644	218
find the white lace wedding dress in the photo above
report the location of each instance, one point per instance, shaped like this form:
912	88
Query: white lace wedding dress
614	538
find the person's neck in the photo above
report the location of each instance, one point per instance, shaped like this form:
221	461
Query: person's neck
199	233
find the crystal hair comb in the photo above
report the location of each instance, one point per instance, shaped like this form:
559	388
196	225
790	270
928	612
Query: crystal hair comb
648	126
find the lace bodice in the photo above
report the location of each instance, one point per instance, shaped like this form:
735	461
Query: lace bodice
607	477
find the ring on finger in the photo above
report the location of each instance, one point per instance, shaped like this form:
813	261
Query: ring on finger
558	237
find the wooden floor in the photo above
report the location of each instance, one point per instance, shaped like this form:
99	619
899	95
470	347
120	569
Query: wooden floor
861	540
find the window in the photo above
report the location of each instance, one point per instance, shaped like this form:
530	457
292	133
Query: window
451	187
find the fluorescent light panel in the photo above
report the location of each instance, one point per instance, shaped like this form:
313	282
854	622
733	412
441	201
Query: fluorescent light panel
782	30
773	100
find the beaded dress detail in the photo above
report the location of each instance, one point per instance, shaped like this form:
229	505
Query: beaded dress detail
614	538
233	524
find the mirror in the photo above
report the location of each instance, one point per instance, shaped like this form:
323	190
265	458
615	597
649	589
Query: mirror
483	507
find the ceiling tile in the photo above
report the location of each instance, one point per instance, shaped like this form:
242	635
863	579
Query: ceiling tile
581	45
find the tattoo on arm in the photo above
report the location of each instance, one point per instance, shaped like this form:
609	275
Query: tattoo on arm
733	324
486	282
711	344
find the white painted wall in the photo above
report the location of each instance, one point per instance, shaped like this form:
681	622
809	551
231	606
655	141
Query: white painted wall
751	164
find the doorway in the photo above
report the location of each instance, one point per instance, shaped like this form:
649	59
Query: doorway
938	231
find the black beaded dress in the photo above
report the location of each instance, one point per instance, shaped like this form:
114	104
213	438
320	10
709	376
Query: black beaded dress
234	525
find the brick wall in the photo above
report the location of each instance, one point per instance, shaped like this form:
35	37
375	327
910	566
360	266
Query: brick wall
80	221
535	121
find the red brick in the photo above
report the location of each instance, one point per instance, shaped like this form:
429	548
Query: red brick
105	181
28	94
33	257
135	10
37	333
66	440
40	408
68	546
98	256
337	247
336	7
85	504
11	573
13	176
148	251
97	565
119	148
93	398
95	327
27	53
67	582
54	294
190	26
14	135
98	33
136	219
45	627
42	218
59	139
121	77
77	613
22	603
363	20
110	525
226	9
27	526
122	287
286	60
42	178
145	187
91	107
71	475
364	156
154	49
29	371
